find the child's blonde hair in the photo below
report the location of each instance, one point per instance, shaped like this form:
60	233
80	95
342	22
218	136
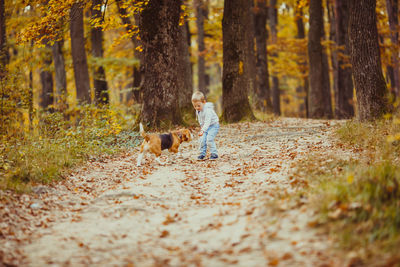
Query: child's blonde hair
198	97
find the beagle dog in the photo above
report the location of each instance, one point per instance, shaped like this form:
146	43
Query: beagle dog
155	143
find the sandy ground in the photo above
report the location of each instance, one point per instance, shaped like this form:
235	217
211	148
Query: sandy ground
186	213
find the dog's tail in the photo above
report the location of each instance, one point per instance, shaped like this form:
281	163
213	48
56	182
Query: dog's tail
143	133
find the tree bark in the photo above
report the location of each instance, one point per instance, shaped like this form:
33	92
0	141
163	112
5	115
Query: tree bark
236	79
263	94
185	69
301	34
3	42
60	76
319	102
161	76
99	75
30	93
201	14
78	52
392	7
46	79
344	95
366	60
273	23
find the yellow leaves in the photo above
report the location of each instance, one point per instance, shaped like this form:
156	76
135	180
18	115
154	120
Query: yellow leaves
240	67
393	138
350	178
396	135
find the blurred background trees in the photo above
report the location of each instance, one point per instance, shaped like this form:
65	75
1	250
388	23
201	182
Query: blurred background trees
289	58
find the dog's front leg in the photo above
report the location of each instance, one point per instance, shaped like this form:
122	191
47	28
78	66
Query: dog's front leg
139	159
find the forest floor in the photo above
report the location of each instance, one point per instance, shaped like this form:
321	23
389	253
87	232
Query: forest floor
228	212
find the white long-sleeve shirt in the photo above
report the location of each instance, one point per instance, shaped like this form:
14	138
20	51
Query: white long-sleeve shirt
207	116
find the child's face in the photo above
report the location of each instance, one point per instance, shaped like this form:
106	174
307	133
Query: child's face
198	105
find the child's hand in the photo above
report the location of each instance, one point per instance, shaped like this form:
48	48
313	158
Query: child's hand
201	133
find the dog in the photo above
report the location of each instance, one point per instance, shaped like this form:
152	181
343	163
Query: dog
155	143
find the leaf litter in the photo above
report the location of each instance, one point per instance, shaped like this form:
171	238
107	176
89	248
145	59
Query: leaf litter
186	213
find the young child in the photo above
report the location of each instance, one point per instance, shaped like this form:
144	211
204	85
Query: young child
209	124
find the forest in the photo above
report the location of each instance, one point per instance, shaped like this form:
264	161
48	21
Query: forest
77	77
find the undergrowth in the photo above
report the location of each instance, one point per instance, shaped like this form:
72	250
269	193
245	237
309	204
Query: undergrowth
56	144
357	195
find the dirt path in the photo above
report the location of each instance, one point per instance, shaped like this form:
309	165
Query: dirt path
187	213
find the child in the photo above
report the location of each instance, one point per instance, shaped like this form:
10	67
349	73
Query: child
209	124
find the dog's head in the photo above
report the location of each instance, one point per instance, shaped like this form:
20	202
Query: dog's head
184	135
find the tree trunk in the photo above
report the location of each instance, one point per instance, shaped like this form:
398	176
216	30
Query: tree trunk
319	103
60	76
301	34
185	69
201	14
366	60
161	60
344	96
263	94
273	23
3	42
78	52
30	93
99	75
333	45
46	79
236	79
392	7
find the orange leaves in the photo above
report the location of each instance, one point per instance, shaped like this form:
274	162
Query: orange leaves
164	233
169	219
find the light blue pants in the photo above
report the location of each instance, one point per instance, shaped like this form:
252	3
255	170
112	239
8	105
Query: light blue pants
207	140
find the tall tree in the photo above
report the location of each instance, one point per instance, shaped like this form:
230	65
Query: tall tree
160	44
99	74
201	15
46	79
3	46
319	103
185	89
392	7
263	93
78	52
366	60
344	94
60	75
273	24
301	34
262	88
236	77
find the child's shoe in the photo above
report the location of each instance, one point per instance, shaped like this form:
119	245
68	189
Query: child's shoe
201	157
213	157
